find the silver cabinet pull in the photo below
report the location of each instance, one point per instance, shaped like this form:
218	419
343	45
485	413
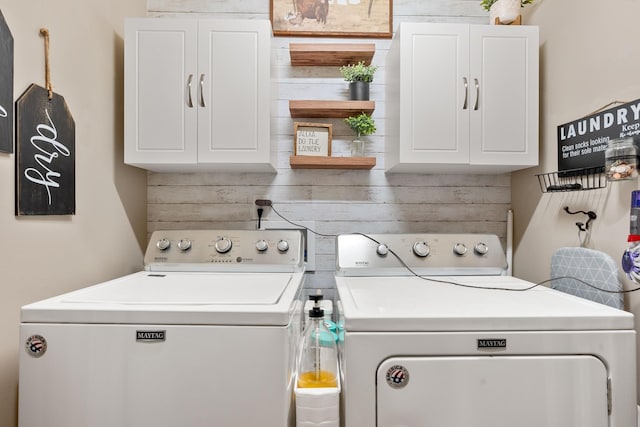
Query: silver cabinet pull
466	93
202	90
189	99
475	107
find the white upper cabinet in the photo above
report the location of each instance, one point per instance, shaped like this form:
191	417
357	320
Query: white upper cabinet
462	98
198	95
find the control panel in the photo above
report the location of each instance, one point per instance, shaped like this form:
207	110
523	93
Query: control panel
225	250
424	254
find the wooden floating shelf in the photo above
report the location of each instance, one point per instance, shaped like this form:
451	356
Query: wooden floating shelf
330	109
330	54
318	162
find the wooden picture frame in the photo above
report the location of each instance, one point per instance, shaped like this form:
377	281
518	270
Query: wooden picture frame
312	139
332	18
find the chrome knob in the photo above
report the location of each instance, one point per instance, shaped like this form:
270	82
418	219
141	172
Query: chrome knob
283	246
163	244
382	249
184	245
223	245
421	249
262	245
481	248
459	249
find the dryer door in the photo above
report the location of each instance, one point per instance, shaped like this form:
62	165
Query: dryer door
492	391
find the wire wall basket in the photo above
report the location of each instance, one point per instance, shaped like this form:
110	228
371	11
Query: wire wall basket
573	180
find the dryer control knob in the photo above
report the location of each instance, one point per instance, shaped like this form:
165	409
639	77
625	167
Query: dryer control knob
283	246
382	249
163	244
223	245
184	245
481	248
421	249
262	245
459	249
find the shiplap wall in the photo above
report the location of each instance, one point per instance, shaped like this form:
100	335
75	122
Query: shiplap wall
339	201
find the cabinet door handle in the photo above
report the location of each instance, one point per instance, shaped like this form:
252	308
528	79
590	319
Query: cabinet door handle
189	99
466	93
202	90
475	107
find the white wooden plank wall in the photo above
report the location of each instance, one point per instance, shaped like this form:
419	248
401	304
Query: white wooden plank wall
339	201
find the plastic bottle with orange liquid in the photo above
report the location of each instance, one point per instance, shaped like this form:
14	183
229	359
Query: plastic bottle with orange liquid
318	362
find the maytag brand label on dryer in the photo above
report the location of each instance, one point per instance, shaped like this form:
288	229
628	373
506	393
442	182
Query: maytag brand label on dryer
492	344
151	336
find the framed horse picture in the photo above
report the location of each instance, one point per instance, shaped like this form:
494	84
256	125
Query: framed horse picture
332	18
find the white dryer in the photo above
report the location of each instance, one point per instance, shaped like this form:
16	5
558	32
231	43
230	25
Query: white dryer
466	346
205	336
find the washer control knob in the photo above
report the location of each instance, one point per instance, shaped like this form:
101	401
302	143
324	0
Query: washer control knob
382	249
223	245
262	245
481	248
184	245
459	249
421	249
283	246
163	244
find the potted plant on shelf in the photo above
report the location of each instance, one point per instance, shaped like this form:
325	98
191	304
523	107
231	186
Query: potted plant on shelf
359	77
362	124
506	11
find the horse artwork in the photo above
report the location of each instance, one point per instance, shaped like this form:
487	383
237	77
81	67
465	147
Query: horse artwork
337	18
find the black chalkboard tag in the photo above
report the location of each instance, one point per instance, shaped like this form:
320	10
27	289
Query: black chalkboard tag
6	87
45	154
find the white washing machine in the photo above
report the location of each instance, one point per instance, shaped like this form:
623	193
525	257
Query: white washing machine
422	352
205	336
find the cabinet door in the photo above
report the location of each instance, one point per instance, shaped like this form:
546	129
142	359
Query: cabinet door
234	92
434	91
160	122
504	111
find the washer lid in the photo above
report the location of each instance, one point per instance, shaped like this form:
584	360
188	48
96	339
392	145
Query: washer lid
176	298
413	304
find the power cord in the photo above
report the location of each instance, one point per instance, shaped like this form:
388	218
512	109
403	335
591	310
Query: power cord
260	211
496	288
265	202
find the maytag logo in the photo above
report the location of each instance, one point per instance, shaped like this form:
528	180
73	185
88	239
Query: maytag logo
492	344
150	336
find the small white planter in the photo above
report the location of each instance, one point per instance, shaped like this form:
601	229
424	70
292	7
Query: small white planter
506	11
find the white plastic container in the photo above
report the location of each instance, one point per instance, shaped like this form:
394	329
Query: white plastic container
318	407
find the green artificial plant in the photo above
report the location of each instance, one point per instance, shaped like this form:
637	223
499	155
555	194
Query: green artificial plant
362	124
358	72
486	4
